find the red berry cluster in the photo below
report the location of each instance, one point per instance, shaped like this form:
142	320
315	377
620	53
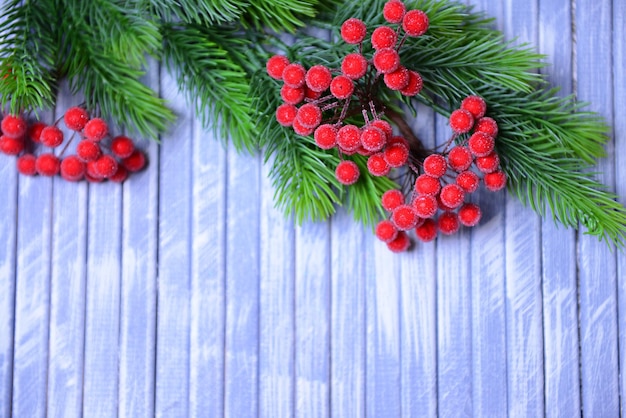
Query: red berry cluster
438	199
98	156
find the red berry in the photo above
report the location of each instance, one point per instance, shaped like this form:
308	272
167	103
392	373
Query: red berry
469	214
309	115
400	243
398	79
468	181
135	162
76	118
325	136
286	113
51	136
276	65
120	175
475	105
301	130
373	139
384	37
13	126
391	199
461	121
488	163
349	138
386	60
480	144
353	31
435	165
96	129
442	205
122	146
459	158
398	140
91	172
354	66
34	132
487	125
341	87
404	217
425	206
452	195
291	95
72	168
414	85
293	75
383	126
396	155
106	166
11	146
88	150
26	164
386	231
310	94
347	172
427	231
318	78
415	23
448	223
47	164
495	181
377	166
427	185
393	11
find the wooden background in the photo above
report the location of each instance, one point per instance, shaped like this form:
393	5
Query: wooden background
185	293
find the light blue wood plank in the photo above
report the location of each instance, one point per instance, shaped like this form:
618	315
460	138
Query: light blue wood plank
242	285
8	237
348	326
312	298
418	310
174	292
68	284
208	274
32	300
276	307
597	265
560	298
138	312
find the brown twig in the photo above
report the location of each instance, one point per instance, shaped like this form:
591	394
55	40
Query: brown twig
417	148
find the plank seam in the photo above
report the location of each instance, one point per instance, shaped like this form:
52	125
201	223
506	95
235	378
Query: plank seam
12	358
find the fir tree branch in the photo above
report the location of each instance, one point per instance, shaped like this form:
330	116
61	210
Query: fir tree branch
199	12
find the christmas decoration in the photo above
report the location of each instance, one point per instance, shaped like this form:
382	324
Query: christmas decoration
322	109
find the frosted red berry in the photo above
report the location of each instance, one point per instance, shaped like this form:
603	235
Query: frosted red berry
286	113
11	146
106	166
460	158
488	163
469	214
448	223
309	115
349	137
300	129
373	139
47	164
415	23
404	217
393	11
292	95
480	144
468	181
13	126
386	60
51	136
76	118
386	231
435	165
384	126
341	87
122	146
91	172
347	172
398	79
354	66
276	65
425	206
293	75
487	125
384	37
318	78
400	244
377	166
415	84
396	155
135	162
34	132
72	168
461	121
26	164
96	129
398	140
353	31
495	181
452	195
120	175
310	94
325	136
391	199
88	150
427	231
427	185
475	105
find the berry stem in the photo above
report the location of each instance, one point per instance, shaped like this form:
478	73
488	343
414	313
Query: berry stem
417	148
